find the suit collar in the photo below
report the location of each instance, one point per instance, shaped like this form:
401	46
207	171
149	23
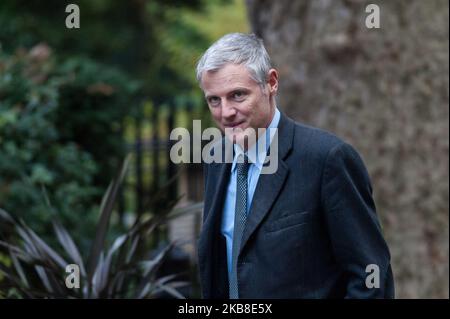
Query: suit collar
285	136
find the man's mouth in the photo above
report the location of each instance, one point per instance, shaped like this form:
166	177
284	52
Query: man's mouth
233	125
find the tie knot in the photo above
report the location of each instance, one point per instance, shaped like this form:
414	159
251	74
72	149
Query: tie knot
242	165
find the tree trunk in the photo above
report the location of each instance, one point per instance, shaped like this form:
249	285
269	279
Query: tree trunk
386	92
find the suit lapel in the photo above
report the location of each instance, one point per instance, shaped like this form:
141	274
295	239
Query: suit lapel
270	185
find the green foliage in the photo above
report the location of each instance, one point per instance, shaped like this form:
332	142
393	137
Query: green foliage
157	42
120	33
111	31
94	101
59	135
125	269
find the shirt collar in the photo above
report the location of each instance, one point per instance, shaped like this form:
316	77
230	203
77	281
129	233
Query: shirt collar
254	154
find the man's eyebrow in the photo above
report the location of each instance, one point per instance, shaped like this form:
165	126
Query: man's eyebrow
207	96
239	88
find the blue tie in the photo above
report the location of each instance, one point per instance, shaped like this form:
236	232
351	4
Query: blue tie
240	217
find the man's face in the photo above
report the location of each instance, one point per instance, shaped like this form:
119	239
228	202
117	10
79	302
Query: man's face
237	101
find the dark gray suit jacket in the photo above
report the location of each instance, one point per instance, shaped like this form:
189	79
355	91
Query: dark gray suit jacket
312	228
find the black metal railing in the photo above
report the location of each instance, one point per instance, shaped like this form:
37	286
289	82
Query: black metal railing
151	167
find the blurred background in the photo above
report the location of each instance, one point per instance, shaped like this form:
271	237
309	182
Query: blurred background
75	102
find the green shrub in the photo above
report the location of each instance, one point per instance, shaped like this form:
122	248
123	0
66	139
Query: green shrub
60	138
127	268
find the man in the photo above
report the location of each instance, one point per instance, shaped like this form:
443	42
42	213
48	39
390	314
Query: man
309	230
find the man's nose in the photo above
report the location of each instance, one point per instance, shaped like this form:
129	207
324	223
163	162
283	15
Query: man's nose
228	110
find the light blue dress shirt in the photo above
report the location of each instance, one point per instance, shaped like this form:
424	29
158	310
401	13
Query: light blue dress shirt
257	160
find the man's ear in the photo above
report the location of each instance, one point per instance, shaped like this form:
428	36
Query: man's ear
272	82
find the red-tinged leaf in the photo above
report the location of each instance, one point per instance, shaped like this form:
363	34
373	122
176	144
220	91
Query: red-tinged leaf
6	217
45	249
105	215
69	246
19	269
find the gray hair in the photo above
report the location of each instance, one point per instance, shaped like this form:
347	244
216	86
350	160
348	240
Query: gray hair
237	48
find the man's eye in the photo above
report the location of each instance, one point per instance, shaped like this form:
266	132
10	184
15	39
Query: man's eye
238	95
213	100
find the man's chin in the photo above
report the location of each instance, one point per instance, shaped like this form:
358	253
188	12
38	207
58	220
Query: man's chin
242	138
